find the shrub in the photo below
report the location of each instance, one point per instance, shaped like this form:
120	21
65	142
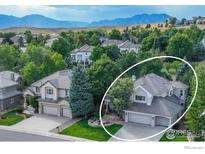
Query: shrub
19	109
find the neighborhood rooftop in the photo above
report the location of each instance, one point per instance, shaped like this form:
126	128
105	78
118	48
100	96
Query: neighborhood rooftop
84	48
60	79
160	106
157	85
6	79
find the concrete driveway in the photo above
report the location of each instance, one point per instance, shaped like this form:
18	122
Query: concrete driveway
137	131
41	123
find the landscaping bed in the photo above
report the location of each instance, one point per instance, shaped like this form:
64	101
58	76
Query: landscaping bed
11	118
83	130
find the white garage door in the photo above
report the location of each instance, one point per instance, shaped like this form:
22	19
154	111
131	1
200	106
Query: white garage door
50	110
138	118
162	121
66	112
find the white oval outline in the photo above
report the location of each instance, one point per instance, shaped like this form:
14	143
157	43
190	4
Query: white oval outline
146	60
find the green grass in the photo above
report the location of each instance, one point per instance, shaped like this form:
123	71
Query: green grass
178	138
10	119
83	130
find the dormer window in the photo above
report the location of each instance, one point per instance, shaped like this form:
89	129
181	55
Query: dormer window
140	98
49	91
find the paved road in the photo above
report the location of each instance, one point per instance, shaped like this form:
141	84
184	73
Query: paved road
6	135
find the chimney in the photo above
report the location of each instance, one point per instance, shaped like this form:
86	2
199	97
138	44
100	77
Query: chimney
133	77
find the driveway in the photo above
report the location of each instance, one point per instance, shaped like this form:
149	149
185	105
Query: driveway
137	131
41	123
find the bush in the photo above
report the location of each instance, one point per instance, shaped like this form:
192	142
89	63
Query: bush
19	109
201	138
30	100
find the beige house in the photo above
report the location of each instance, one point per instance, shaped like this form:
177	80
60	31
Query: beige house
52	93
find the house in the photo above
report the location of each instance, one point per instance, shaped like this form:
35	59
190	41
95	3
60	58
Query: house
52	94
82	55
124	46
10	93
156	101
128	46
16	39
199	20
53	37
1	40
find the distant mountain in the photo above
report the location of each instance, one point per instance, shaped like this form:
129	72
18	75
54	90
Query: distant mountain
39	21
137	19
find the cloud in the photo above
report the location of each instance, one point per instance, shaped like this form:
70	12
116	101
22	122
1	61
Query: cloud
93	13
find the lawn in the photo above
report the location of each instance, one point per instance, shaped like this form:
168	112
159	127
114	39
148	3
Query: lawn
178	138
10	118
83	130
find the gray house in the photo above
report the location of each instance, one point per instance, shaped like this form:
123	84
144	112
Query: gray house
124	46
156	101
52	93
10	94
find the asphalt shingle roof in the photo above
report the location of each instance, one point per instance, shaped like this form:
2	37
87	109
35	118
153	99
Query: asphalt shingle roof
60	79
160	106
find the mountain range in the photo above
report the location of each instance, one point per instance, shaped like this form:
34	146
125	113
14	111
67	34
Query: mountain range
40	21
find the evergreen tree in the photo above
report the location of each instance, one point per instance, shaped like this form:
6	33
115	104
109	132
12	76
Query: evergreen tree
80	96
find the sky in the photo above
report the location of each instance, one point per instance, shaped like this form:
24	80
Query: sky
91	13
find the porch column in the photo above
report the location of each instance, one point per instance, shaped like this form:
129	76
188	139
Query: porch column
40	108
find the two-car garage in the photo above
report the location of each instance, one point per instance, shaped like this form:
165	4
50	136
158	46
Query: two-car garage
147	119
60	110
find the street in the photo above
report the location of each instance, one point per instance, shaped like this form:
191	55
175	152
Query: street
6	135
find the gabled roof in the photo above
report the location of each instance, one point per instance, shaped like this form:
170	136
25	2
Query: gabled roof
179	84
60	79
7	75
112	42
5	79
160	106
84	48
4	83
157	85
128	44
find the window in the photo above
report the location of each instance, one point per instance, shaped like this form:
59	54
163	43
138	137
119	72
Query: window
49	91
11	100
140	98
181	92
79	57
37	89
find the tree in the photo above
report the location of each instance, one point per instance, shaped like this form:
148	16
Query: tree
80	94
101	74
94	40
126	61
31	72
42	59
20	41
115	34
195	121
113	52
172	21
180	45
9	57
61	46
183	21
28	36
120	94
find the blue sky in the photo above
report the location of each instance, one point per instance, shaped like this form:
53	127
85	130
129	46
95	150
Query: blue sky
94	13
